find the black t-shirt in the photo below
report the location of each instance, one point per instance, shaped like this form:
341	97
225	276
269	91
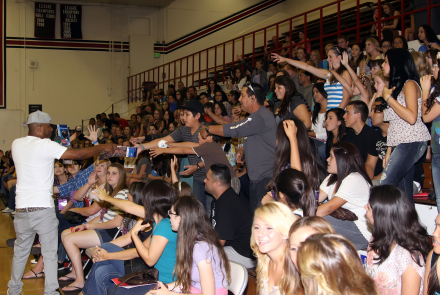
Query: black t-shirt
381	150
365	141
232	220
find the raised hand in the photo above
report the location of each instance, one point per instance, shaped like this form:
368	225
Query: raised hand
93	133
174	164
92	179
101	193
156	152
290	128
278	58
344	59
387	92
425	82
73	137
139	227
239	156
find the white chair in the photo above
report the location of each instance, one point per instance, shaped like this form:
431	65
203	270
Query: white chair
239	278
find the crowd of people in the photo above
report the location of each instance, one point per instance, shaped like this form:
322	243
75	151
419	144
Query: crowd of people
290	167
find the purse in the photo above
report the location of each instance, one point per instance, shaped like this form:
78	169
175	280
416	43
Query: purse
149	276
74	218
344	214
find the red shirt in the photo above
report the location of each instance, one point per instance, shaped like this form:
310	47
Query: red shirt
123	123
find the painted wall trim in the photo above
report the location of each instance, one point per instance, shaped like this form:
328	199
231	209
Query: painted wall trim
62	44
214	27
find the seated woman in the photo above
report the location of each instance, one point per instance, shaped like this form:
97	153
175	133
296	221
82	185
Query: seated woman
142	166
291	188
111	259
100	230
324	254
296	150
335	126
209	272
304	228
347	187
217	112
289	103
160	249
270	241
397	252
432	268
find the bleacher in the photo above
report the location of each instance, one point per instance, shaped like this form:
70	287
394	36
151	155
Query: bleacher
330	26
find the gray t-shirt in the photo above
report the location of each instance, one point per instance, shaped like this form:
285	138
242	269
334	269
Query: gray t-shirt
259	130
307	92
144	161
183	134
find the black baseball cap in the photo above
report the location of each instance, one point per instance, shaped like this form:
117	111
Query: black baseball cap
193	105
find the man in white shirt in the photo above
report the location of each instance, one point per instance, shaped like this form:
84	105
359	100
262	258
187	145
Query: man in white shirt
34	157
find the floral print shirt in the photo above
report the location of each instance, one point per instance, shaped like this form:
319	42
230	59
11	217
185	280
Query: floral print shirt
388	275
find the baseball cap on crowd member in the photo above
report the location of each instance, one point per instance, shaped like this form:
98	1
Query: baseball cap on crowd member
78	128
38	117
194	105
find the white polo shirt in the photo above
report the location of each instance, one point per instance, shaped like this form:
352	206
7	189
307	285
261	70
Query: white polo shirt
34	163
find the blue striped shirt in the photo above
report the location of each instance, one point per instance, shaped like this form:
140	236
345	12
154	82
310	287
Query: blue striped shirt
334	93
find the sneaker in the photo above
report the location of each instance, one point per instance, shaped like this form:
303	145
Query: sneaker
7	210
13	212
34	261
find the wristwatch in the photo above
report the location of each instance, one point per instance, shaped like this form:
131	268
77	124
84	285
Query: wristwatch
198	167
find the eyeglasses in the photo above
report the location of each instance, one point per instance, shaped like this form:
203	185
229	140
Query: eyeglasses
171	213
248	85
387	46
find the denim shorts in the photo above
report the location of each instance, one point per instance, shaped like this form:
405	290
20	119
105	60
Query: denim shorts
104	236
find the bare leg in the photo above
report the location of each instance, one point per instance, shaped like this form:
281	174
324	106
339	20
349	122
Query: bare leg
36	270
73	243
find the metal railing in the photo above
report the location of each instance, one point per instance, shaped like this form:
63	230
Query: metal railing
213	62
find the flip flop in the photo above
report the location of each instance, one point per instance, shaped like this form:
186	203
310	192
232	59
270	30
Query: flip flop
68	279
75	289
37	275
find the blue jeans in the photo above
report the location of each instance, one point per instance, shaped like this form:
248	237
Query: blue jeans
11	201
435	164
199	193
400	167
3	179
102	273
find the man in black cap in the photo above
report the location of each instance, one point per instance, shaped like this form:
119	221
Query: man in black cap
194	121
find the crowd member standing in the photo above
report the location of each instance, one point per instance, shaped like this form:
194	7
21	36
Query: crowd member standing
407	134
337	95
34	156
259	145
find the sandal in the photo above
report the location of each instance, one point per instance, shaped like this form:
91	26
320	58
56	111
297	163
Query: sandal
37	275
68	278
75	289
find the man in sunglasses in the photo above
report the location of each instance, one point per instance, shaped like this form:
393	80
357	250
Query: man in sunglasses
259	131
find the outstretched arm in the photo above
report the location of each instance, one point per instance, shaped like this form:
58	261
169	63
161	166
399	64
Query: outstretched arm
321	73
290	129
124	205
180	151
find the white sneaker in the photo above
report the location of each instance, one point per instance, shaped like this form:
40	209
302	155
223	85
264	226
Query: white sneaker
7	210
13	212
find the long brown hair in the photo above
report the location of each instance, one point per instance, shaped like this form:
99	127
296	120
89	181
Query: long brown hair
122	180
338	52
330	264
433	282
194	227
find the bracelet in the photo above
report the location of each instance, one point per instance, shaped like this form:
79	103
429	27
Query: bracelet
388	98
95	142
142	147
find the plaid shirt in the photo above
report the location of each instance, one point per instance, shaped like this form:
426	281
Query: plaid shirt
75	183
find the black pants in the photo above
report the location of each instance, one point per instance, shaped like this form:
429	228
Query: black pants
257	192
